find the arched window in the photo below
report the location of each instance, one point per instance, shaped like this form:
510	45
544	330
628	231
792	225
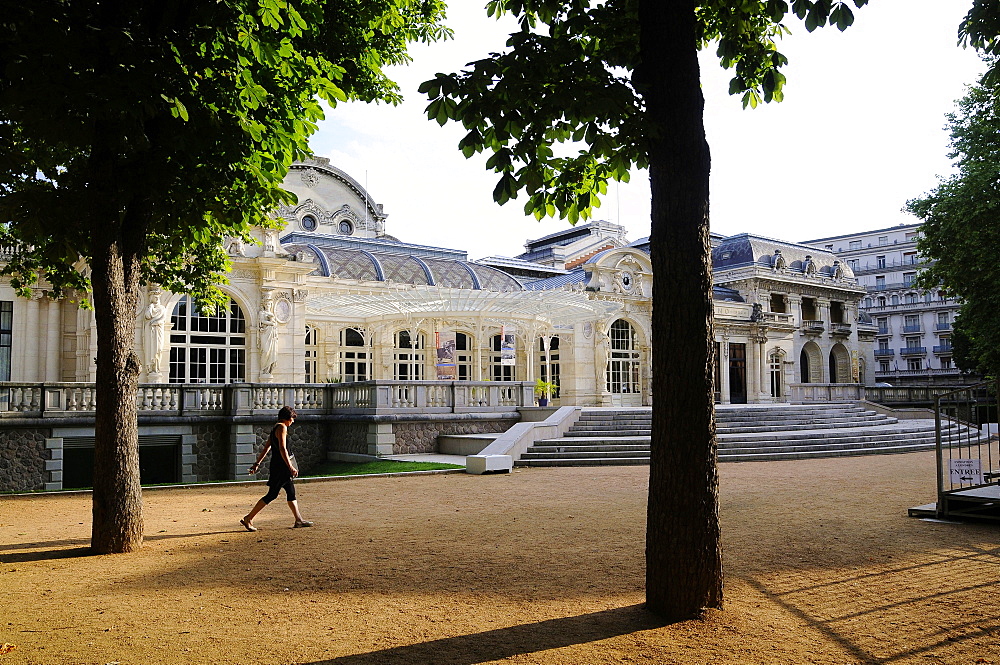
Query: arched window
312	341
355	356
409	358
881	301
207	348
811	363
840	364
549	371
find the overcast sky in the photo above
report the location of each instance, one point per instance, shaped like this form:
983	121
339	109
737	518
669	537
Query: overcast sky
861	130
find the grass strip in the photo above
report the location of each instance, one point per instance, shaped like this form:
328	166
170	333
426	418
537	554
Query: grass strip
379	466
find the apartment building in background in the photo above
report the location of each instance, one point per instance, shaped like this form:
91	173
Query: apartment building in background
913	343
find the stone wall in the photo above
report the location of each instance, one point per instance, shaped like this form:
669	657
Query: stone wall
421	437
348	438
22	460
212	452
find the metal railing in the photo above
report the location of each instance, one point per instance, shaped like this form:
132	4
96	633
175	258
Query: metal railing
364	397
913	351
968	459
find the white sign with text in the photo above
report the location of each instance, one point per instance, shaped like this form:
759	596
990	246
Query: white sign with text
966	471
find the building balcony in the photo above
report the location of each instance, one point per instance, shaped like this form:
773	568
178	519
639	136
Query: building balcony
944	349
884	331
913	329
812	326
913	351
843	329
885	353
942	326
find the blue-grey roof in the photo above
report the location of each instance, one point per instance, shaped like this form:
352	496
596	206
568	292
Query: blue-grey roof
385	243
578	276
520	264
745	250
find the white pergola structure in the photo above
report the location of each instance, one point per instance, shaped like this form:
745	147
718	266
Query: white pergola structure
381	311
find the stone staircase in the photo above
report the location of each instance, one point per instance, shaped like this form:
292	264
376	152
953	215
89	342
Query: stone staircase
745	433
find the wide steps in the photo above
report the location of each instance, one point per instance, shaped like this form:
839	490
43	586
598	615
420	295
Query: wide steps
757	433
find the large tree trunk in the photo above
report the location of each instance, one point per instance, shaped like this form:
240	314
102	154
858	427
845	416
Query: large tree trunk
683	551
118	243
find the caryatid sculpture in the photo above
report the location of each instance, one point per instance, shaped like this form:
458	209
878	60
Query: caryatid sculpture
154	333
267	341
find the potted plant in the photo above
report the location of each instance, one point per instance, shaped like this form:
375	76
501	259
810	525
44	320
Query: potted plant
543	390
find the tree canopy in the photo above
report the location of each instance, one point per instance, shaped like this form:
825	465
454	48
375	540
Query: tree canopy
961	228
585	92
563	110
136	134
200	107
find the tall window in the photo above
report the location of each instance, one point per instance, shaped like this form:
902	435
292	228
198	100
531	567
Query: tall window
774	364
312	340
463	356
880	262
409	357
6	337
552	369
623	366
914	364
854	244
355	356
207	348
880	282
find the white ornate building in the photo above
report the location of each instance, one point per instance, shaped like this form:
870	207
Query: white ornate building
333	298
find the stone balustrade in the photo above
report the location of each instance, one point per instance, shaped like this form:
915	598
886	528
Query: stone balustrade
801	393
33	400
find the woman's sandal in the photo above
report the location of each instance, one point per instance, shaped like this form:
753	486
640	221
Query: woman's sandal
303	523
247	525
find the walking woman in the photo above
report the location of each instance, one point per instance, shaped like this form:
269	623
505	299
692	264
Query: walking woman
281	472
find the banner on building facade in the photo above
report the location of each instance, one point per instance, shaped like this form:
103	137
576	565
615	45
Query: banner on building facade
447	367
507	348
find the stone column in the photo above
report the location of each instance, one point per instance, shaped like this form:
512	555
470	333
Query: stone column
724	369
53	335
32	363
765	392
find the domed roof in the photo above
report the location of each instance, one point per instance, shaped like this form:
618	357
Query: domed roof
379	265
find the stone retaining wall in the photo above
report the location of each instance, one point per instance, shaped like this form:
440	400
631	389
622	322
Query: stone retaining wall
421	437
22	460
212	452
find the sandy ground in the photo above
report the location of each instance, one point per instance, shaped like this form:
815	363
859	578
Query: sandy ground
538	566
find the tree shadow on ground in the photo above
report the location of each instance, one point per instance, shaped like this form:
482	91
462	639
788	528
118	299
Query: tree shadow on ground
834	606
47	555
82	549
513	641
